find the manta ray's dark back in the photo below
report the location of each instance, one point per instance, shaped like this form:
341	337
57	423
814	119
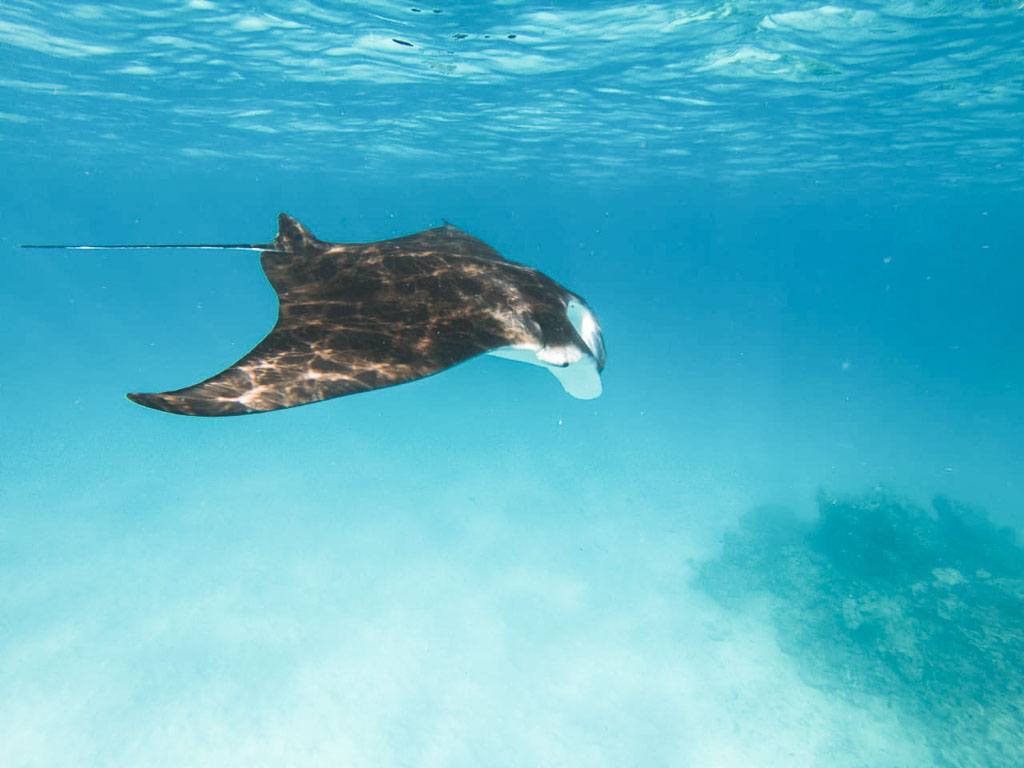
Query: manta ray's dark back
355	317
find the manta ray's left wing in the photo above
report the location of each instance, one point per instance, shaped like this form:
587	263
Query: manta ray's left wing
313	357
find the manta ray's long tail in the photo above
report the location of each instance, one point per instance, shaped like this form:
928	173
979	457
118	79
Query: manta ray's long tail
291	237
147	246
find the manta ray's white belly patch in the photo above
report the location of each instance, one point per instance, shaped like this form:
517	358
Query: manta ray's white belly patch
576	371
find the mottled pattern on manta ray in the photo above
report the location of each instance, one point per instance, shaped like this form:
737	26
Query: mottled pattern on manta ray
361	316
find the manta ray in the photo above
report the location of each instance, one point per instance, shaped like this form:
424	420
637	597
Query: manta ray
354	317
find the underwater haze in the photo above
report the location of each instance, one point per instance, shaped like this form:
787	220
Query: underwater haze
789	532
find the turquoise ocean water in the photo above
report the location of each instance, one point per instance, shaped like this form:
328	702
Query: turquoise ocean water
787	534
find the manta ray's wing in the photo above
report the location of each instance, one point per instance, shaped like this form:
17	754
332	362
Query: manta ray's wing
357	317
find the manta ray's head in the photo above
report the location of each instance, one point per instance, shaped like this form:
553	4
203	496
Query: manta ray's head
568	342
578	361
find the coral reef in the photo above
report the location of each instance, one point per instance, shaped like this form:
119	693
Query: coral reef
880	598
